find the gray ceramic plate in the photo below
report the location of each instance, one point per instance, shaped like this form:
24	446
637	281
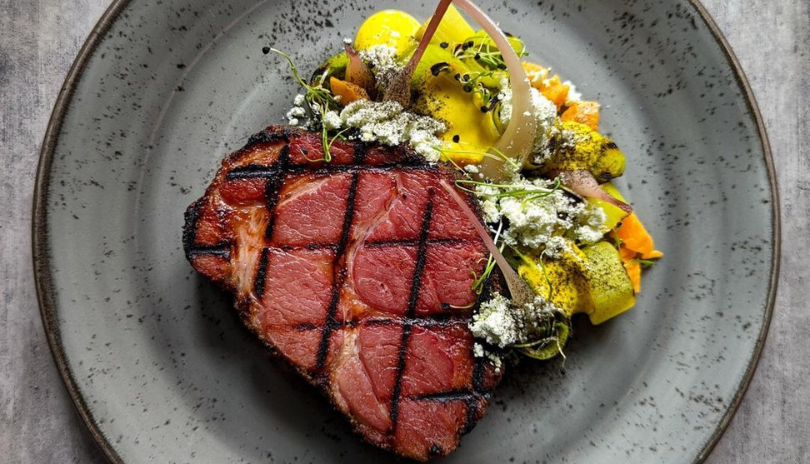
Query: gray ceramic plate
160	368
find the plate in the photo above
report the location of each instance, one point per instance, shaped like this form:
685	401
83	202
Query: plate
160	368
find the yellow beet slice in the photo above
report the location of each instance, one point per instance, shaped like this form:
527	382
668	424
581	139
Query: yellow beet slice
611	288
561	281
453	29
613	214
393	28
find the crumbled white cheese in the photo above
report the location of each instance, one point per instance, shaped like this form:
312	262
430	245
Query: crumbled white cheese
505	97
496	360
388	124
592	224
478	350
384	122
539	312
382	59
556	247
297	111
544	111
501	323
537	76
498	323
298	114
545	221
332	121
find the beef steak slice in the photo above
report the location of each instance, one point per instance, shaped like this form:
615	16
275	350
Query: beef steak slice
358	272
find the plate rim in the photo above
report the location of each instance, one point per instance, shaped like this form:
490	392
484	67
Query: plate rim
41	252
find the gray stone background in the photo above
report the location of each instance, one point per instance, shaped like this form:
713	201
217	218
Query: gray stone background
38	42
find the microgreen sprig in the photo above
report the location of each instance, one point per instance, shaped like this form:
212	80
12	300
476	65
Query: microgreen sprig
478	284
528	193
320	100
486	152
485	52
327	144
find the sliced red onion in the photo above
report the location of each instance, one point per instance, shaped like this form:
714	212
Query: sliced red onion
518	288
584	184
357	72
518	138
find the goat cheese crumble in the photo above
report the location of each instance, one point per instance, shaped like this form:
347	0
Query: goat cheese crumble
389	124
384	122
332	120
298	114
544	111
480	352
546	220
500	323
382	59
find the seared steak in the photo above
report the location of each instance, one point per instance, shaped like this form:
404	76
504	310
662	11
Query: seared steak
359	273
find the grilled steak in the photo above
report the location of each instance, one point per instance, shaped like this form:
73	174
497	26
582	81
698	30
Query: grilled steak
359	273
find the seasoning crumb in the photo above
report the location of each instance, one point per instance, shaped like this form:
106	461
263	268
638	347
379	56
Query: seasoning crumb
547	220
332	120
545	112
382	59
389	124
501	323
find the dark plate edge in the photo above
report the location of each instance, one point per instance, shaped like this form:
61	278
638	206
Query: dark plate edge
39	234
41	251
776	233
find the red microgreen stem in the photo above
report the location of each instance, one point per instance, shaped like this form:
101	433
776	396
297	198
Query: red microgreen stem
521	293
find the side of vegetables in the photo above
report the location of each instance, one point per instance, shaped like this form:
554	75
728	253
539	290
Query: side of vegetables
592	280
600	280
462	81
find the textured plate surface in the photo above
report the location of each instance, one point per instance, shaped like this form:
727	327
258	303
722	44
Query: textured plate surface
161	369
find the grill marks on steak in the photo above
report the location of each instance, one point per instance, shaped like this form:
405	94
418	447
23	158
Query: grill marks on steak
359	273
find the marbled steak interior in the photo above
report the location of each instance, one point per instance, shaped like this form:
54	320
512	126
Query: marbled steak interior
359	273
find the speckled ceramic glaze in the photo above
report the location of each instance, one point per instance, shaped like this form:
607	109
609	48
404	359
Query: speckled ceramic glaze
161	369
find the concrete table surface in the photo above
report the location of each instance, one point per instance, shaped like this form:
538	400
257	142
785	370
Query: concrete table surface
38	42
